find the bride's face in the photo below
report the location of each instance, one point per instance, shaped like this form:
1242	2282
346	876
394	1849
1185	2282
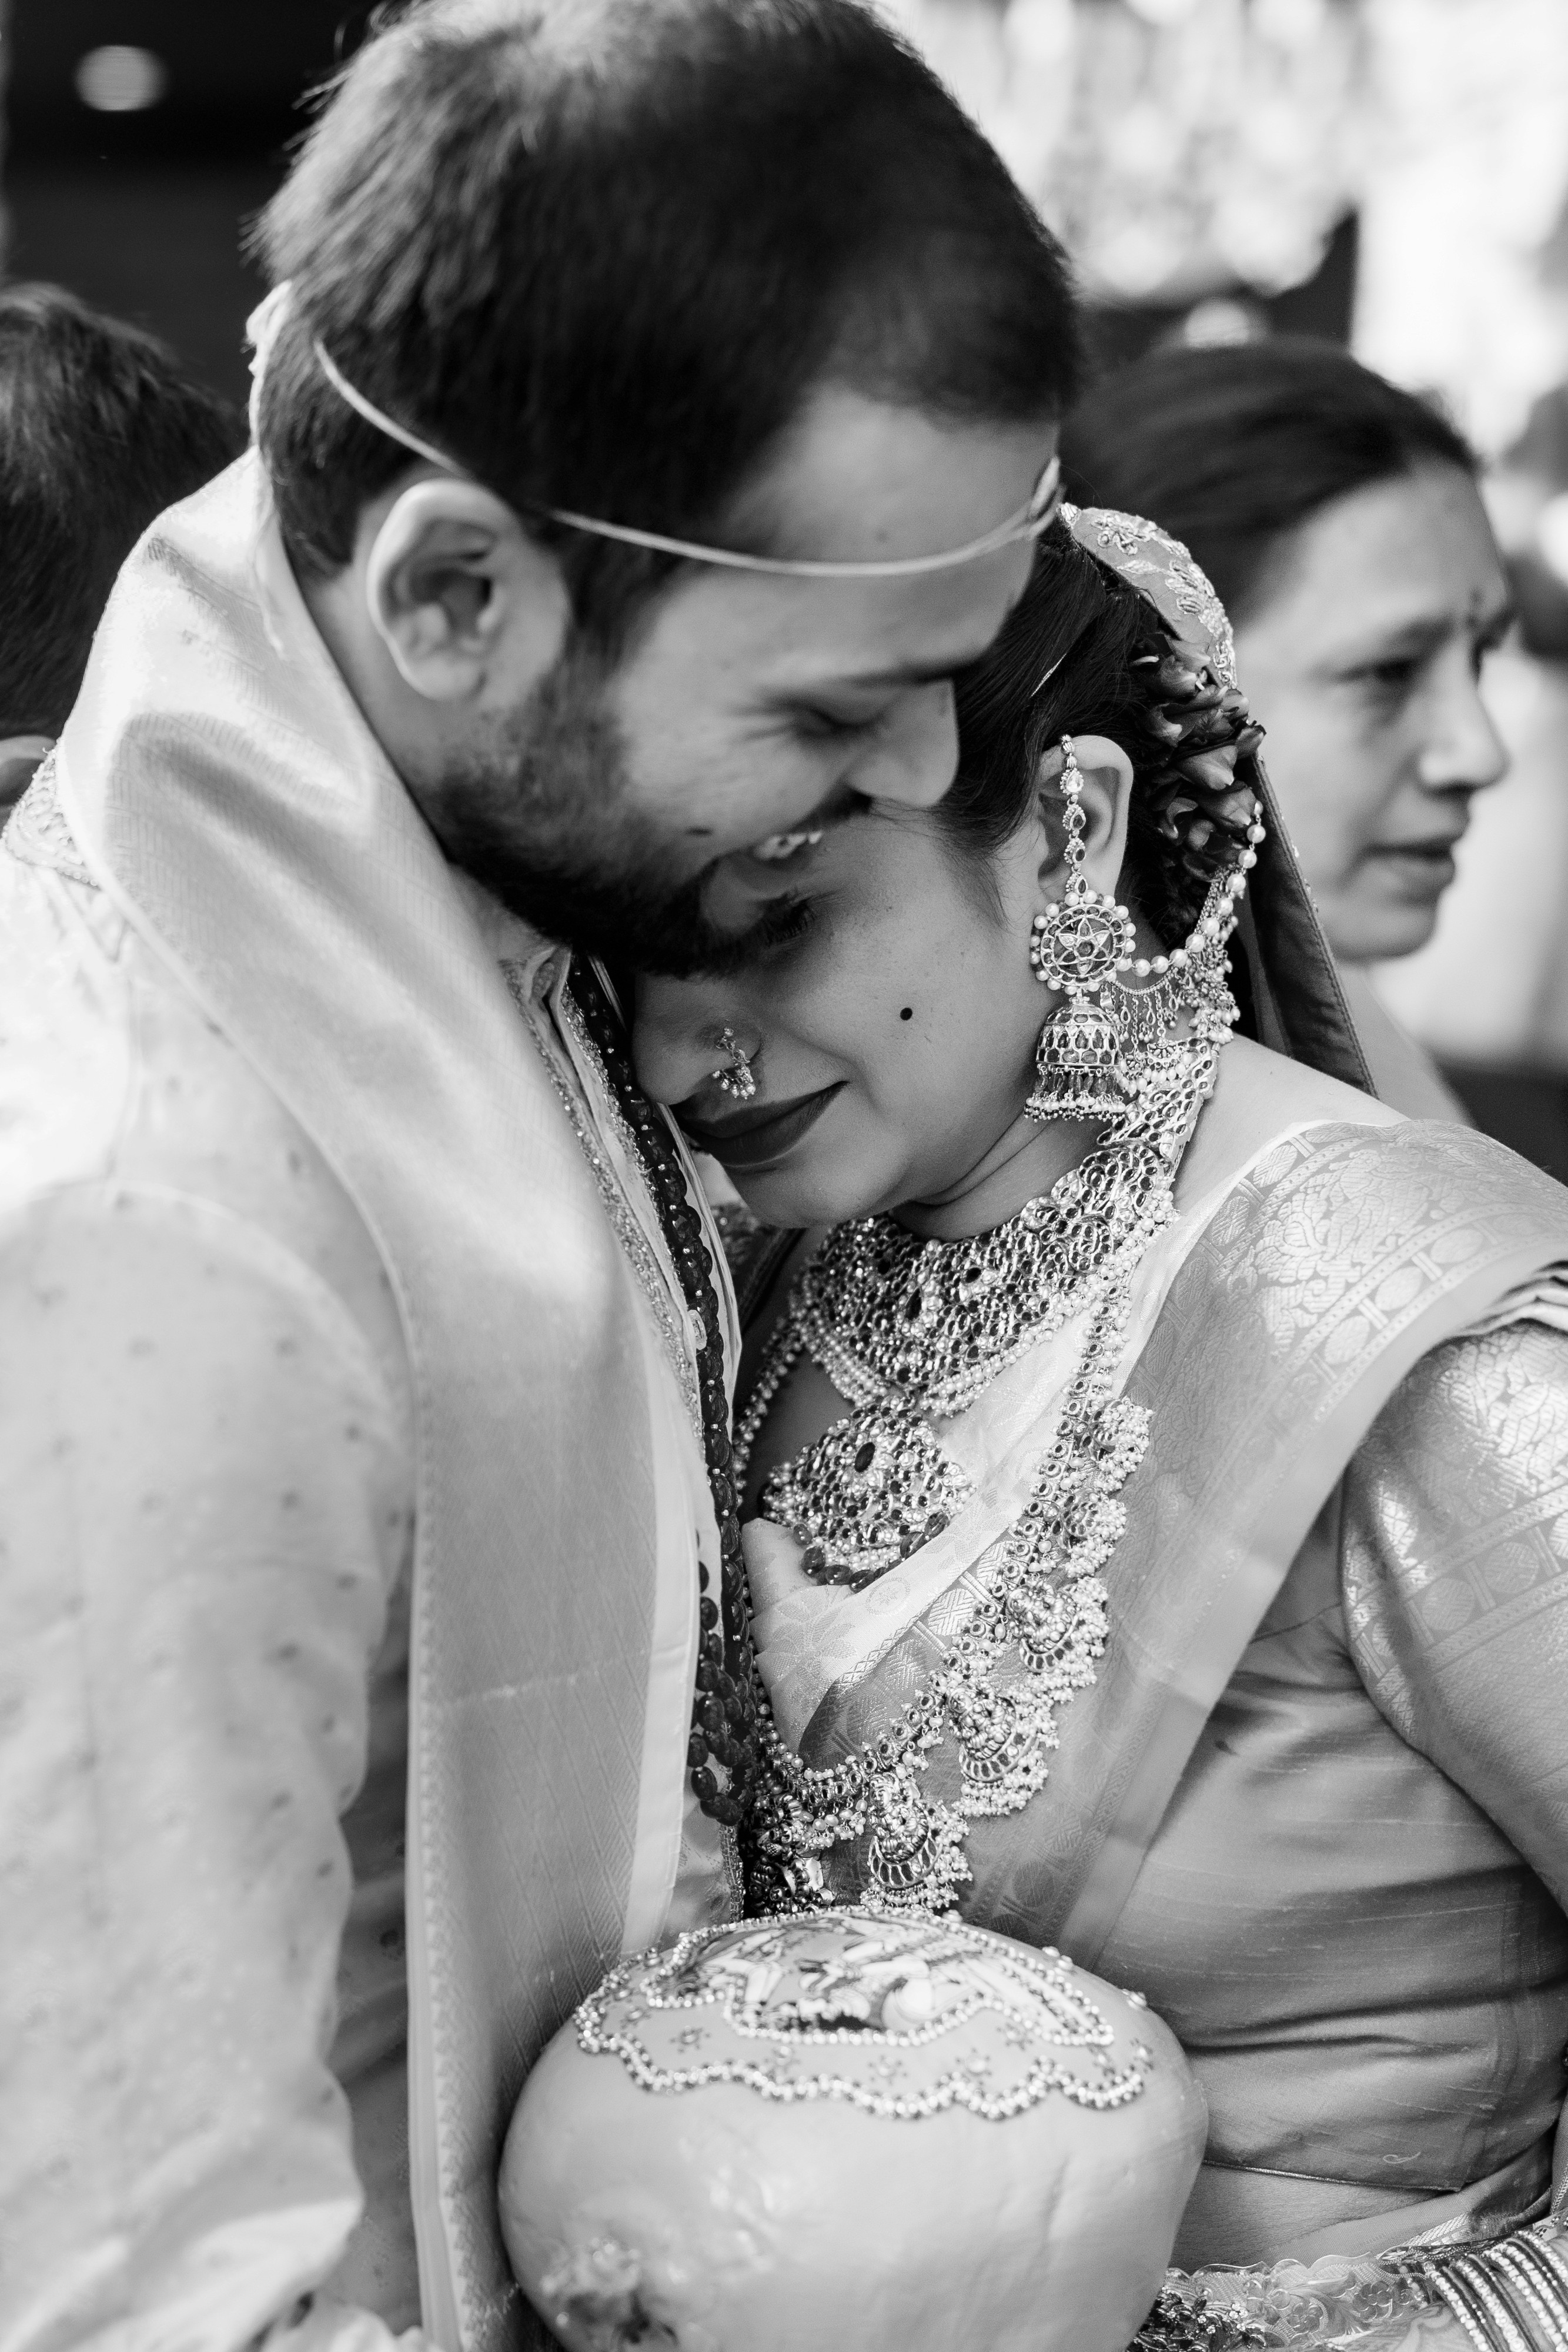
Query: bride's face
890	1033
891	1037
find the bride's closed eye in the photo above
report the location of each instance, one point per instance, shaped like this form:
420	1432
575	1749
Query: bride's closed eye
782	922
787	922
794	919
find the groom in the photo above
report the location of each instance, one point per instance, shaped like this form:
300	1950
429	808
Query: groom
651	420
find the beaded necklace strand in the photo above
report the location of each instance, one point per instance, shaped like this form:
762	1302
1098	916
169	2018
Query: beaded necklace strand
724	1714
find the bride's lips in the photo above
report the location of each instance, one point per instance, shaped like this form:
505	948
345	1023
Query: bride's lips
750	1139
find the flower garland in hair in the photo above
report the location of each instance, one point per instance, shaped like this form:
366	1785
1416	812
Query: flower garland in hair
1192	802
1193	795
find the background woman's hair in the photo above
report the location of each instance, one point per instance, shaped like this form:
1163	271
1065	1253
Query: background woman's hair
602	254
100	429
1083	654
1232	449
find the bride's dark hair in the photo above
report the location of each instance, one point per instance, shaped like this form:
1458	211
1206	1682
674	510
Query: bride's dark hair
1083	654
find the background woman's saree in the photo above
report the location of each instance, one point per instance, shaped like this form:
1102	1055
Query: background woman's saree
1357	1939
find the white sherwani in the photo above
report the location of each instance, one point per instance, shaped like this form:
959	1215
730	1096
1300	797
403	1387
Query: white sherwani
350	1502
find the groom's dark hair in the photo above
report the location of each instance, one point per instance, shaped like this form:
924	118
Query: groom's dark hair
600	251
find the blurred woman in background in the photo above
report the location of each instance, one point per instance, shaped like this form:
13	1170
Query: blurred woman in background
1340	521
100	429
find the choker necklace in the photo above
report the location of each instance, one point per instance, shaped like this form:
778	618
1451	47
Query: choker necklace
911	1332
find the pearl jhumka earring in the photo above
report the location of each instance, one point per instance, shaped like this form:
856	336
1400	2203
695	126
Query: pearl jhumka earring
1077	946
1104	1045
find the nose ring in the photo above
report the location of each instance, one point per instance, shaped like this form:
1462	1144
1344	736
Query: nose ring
737	1080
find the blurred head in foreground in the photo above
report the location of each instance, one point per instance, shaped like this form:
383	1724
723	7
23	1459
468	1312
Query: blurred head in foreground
897	2132
100	429
1339	519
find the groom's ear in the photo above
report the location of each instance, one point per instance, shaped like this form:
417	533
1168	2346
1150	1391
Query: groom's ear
467	604
1105	798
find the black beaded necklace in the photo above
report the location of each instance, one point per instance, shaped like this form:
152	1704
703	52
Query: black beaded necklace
724	1714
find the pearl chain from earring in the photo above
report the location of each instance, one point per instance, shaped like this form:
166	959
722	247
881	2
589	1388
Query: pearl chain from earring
1155	967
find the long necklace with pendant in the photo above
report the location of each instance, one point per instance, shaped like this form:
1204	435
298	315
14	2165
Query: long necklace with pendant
911	1332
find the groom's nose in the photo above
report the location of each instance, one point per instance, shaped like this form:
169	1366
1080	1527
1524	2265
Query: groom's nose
915	756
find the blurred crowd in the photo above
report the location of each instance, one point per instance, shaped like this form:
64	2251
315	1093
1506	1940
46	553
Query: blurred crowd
1252	191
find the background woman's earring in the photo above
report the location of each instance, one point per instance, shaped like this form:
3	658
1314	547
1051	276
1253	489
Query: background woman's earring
1079	946
737	1079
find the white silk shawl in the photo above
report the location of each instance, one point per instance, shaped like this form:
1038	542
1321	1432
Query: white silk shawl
223	789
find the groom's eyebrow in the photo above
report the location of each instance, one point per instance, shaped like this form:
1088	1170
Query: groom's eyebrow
908	673
922	673
932	671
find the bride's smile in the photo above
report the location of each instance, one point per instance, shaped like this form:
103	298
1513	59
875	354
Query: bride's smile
755	1140
890	1033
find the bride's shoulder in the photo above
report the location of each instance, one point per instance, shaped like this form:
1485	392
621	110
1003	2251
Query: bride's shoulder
1254	1081
1259	1095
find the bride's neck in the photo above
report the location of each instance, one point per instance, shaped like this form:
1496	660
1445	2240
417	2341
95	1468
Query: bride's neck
1022	1163
1026	1159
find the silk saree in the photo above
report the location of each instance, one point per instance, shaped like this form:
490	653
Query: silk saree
1315	1803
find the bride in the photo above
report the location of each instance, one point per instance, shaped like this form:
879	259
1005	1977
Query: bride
1155	1453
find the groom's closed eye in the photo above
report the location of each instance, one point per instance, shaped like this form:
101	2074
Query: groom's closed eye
825	716
827	726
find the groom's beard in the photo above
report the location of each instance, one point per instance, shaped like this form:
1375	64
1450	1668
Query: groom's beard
547	820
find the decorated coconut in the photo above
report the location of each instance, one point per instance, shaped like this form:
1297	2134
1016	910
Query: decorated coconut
852	2130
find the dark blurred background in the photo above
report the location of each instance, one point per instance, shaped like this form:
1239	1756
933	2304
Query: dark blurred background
144	134
141	135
